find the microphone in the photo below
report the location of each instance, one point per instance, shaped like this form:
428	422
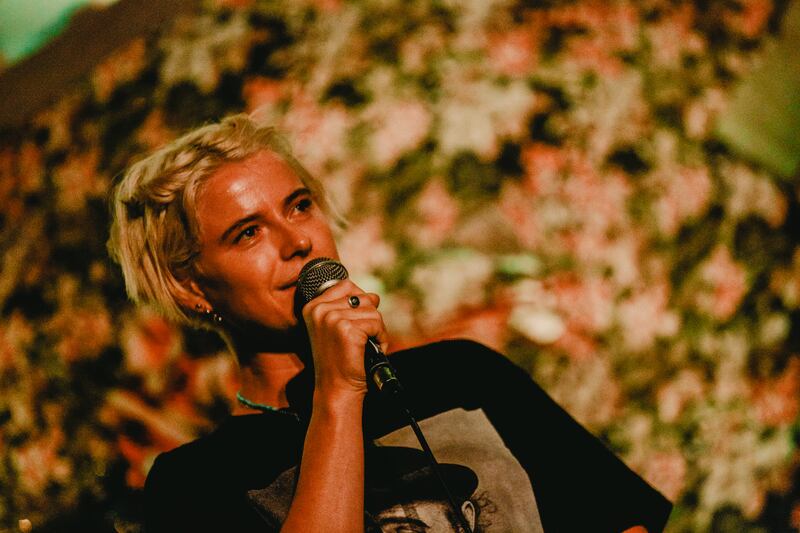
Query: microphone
322	273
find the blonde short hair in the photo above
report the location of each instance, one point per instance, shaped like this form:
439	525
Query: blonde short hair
154	233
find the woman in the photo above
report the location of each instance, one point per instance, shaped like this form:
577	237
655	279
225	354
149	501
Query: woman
213	230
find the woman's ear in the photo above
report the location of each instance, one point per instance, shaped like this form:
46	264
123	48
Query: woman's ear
192	297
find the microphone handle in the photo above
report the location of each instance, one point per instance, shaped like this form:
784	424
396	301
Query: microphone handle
378	368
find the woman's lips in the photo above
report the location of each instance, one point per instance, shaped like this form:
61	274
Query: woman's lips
288	285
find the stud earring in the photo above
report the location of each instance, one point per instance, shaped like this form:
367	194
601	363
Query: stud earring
207	314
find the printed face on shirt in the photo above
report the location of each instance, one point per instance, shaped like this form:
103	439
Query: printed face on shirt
258	226
423	517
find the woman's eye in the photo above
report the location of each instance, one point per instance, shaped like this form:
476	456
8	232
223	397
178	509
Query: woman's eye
303	205
248	233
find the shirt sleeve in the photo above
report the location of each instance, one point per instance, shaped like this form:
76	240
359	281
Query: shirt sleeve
184	492
161	510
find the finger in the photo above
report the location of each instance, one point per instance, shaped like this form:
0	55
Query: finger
339	292
346	288
363	300
350	302
341	289
370	327
333	315
374	299
377	330
383	339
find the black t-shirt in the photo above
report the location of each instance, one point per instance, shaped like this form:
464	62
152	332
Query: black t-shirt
505	449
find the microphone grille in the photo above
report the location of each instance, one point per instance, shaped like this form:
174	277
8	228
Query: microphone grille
316	276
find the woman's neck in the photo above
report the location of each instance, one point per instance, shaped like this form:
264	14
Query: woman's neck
268	360
263	379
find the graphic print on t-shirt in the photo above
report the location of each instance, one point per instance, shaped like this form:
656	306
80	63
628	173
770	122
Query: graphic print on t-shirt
501	497
402	493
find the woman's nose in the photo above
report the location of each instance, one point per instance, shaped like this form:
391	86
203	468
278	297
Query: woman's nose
294	242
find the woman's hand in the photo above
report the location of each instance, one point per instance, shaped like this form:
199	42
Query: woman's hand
338	333
330	489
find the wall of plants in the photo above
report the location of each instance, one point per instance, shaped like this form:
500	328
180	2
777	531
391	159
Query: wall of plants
539	176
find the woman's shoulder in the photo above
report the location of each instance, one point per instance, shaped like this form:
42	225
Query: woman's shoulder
217	449
447	348
181	460
464	369
465	354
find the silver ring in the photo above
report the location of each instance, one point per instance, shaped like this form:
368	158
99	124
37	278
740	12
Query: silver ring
353	301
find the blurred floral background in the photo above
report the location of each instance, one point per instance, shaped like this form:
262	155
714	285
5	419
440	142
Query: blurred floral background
544	177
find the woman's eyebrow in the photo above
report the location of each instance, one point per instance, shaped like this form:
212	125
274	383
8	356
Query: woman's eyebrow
236	225
302	191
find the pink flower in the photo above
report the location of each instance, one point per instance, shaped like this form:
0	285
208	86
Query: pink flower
576	344
21	173
487	326
137	457
30	168
644	317
586	303
81	332
444	295
686	194
727	283
58	120
623	30
753	18
317	133
363	249
16	334
438	212
399	128
752	193
517	208
261	93
622	257
587	388
77	180
775	401
785	283
149	343
667	472
543	165
154	133
600	202
212	377
673	397
121	66
673	36
592	15
418	50
513	53
39	461
699	115
592	55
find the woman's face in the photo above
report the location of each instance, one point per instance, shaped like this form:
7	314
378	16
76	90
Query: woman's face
258	226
